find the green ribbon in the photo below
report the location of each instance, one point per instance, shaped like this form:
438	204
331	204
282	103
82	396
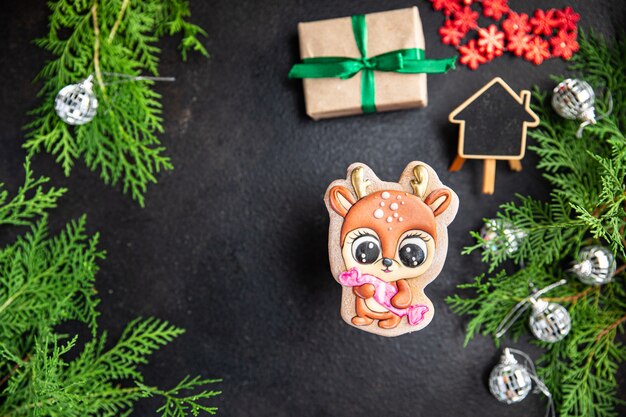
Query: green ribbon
405	61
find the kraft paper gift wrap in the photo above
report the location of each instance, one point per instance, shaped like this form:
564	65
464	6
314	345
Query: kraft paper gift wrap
386	31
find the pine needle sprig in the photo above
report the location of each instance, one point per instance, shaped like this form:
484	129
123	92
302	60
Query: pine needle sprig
48	280
180	401
139	340
92	383
496	296
30	200
587	205
109	39
176	13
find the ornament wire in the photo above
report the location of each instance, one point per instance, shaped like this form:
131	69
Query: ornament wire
129	78
579	132
521	307
540	386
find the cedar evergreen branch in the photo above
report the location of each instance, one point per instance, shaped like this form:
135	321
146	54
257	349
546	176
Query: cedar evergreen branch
102	37
46	281
586	206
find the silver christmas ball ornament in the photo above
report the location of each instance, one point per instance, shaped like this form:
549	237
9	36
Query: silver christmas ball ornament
574	99
509	381
549	322
76	104
497	232
596	265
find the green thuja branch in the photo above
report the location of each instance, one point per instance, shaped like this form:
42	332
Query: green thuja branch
587	205
179	401
103	38
175	14
47	280
30	201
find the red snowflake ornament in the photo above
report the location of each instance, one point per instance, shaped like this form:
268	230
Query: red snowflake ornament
518	43
491	41
564	44
448	6
466	19
471	56
537	50
495	8
544	23
451	34
567	19
516	22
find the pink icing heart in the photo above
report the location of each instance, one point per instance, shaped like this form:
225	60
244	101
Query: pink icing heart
351	278
416	313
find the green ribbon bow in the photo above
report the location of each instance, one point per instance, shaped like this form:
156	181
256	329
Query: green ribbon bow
405	61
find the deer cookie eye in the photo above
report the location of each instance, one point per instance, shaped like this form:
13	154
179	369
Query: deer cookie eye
413	251
366	249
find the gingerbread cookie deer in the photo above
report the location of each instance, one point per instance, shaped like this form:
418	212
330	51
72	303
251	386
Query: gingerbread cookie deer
387	241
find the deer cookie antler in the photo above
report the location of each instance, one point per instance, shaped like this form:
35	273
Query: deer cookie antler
359	183
420	183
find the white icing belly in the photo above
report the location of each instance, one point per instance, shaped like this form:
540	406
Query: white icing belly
375	305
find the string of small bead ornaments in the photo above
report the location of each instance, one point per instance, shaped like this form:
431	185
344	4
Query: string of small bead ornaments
546	34
77	104
510	382
594	265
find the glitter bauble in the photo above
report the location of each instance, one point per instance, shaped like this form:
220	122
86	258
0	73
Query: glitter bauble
596	265
549	322
497	232
76	104
509	381
574	99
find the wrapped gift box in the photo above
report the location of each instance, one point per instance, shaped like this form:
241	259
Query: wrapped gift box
385	32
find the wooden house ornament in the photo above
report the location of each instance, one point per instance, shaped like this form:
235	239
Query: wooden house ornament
492	126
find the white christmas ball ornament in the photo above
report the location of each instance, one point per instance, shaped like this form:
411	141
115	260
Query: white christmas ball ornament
76	104
596	265
497	232
509	381
549	322
574	99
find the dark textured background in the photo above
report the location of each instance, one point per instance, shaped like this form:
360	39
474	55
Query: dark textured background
232	243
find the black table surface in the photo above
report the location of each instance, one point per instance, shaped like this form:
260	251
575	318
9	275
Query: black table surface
232	244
